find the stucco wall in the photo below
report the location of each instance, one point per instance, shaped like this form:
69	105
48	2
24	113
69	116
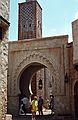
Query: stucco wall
50	52
4	13
75	41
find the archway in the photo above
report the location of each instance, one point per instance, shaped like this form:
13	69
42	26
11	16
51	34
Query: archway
76	99
27	67
36	59
28	81
27	76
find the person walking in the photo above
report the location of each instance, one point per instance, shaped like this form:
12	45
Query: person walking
40	105
52	104
34	107
21	111
26	104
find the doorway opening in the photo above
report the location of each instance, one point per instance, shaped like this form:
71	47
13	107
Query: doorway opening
28	82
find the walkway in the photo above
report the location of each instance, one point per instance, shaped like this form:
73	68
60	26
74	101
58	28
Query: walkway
44	117
47	116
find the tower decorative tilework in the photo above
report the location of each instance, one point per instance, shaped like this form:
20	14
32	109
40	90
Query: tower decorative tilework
29	20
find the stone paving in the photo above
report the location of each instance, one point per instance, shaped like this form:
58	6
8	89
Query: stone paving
44	117
47	116
29	117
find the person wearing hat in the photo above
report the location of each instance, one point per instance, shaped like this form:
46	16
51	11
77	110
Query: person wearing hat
34	107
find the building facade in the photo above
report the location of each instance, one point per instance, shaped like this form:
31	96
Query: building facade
28	57
4	26
56	56
74	69
53	59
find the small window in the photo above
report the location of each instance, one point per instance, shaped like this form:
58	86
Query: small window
0	33
40	84
38	24
29	25
24	26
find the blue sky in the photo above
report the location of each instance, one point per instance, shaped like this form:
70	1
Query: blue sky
57	16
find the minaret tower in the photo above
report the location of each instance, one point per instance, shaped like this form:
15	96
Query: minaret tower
29	20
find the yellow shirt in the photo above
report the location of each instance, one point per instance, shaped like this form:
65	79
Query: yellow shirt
34	105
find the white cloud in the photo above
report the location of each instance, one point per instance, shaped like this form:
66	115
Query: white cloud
76	15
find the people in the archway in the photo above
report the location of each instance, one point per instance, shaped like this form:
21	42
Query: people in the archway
40	105
52	104
34	107
26	104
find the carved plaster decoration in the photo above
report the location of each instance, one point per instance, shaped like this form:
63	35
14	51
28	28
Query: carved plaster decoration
31	58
